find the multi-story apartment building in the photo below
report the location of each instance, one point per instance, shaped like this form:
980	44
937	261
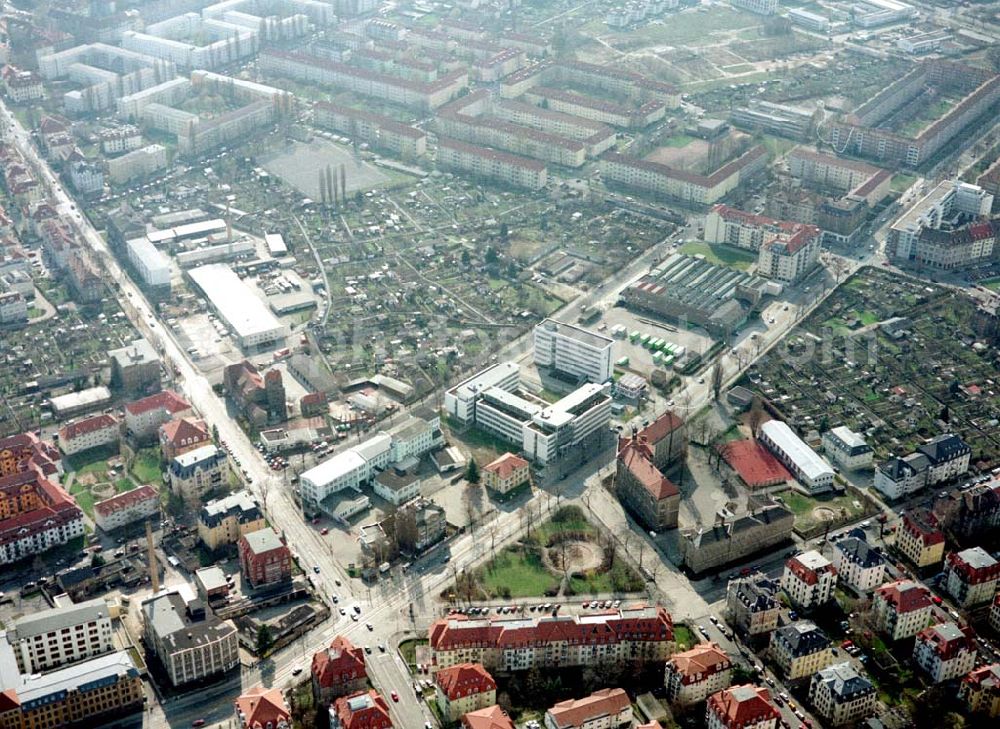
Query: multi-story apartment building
60	636
902	609
667	436
841	695
125	138
730	539
35	515
491	164
144	417
223	521
828	172
971	576
264	558
761	7
506	473
994	619
738	228
263	708
377	130
137	164
195	473
752	603
93	432
628	634
422	95
463	688
741	707
945	651
785	120
22	86
800	649
980	691
607	708
643	488
596	136
97	692
26	451
189	643
694	675
13	308
942	458
805	464
809	579
682	185
492	717
789	257
859	565
126	508
847	449
338	670
573	351
152	266
362	710
135	368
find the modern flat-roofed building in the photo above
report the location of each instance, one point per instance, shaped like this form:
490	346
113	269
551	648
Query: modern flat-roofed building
242	311
60	636
847	449
135	368
189	643
460	401
808	468
152	266
573	351
761	7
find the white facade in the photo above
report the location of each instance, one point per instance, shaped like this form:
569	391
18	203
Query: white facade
348	469
573	350
195	473
847	449
841	695
139	163
244	312
60	636
809	579
152	266
809	468
123	509
761	7
858	565
902	609
460	401
36	540
789	257
93	432
944	652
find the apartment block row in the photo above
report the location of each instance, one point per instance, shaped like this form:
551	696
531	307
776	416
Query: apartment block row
942	458
490	164
375	129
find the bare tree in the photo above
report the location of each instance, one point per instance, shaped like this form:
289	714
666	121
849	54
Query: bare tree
717	377
755	418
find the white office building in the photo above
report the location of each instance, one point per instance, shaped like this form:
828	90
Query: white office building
573	351
460	401
152	266
808	468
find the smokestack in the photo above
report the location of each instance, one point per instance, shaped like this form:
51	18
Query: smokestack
154	574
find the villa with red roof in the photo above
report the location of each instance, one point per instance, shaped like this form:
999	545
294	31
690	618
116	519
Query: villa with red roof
694	675
131	506
506	473
902	608
980	691
945	651
182	435
144	416
643	488
742	707
92	432
492	717
362	710
507	644
809	579
338	670
919	538
971	576
464	688
262	708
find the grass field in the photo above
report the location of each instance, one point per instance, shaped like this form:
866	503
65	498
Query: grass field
804	507
518	571
686	28
301	164
146	467
620	578
719	254
684	637
84	499
900	182
993	284
678	140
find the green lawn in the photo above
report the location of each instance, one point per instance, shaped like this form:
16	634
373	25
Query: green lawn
868	317
901	182
408	649
85	500
993	284
566	519
684	637
621	578
146	466
519	571
124	484
719	254
802	506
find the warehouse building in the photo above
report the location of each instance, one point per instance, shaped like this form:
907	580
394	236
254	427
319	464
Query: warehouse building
805	464
247	316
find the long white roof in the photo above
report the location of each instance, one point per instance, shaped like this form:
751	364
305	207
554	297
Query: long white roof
811	464
235	302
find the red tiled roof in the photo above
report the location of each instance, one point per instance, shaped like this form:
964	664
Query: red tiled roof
262	708
637	457
807	575
741	706
340	663
972	575
167	400
576	712
754	463
923	525
701	662
492	717
661	428
58	506
126	500
985	678
458	631
373	715
947	649
506	465
905	596
184	431
465	679
87	425
9	701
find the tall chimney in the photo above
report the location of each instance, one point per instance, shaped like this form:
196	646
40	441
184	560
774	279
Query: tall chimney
154	574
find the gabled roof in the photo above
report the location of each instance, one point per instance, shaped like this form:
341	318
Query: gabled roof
87	425
703	660
465	679
637	456
661	427
576	712
363	710
167	400
905	596
742	706
492	717
126	500
262	708
339	663
184	431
